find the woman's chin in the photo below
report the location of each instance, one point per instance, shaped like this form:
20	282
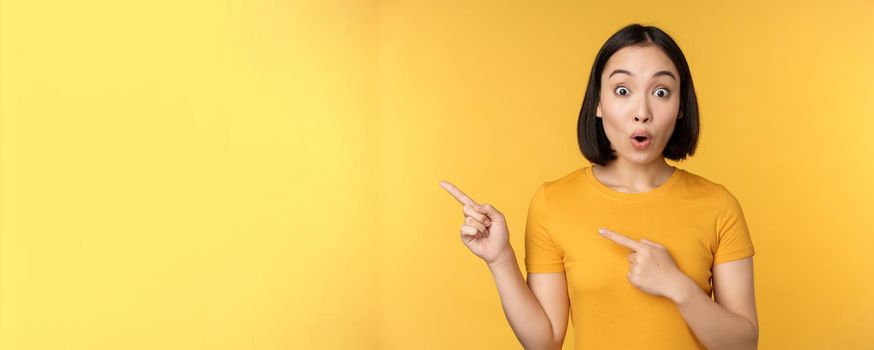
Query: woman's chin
641	157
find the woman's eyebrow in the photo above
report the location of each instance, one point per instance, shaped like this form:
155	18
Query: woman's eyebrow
662	72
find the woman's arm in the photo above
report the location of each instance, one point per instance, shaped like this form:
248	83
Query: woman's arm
538	311
527	316
730	322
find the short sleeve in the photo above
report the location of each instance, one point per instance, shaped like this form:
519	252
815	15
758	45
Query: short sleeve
733	235
541	253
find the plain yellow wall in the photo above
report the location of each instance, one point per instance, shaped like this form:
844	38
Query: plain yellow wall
188	175
263	175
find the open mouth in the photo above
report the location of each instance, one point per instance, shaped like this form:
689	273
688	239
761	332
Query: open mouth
641	142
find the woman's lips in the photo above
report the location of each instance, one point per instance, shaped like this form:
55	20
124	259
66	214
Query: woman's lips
641	145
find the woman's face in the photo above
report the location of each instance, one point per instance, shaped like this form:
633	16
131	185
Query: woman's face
639	92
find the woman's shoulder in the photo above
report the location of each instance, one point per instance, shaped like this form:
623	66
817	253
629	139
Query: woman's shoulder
561	188
565	180
701	187
697	180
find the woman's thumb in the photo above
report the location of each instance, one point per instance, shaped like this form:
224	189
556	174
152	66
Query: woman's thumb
487	209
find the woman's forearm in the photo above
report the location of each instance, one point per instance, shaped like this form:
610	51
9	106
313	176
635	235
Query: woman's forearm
716	327
525	314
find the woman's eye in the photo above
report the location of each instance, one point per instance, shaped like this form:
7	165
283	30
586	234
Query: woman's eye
662	92
622	91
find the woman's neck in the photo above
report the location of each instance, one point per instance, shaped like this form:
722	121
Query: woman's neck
633	178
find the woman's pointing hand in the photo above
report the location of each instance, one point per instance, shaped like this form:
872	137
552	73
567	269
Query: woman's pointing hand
652	269
484	230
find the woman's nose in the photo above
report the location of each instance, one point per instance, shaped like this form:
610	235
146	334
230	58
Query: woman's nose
642	113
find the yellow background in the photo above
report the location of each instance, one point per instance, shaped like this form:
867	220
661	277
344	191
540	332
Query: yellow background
264	174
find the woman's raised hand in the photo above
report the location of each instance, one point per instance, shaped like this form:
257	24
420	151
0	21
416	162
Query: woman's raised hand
484	230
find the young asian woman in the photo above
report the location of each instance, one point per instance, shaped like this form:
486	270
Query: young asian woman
642	254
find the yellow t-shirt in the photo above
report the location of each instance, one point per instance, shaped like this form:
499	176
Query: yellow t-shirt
699	222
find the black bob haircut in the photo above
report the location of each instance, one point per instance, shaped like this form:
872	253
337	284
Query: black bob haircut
591	138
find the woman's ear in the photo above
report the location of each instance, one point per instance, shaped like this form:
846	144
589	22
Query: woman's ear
598	111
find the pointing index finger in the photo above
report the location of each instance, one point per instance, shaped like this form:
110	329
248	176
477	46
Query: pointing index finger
455	192
621	239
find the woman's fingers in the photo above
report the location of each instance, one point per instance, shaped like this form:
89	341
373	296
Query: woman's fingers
479	216
468	203
488	209
480	209
467	230
469	211
455	192
472	222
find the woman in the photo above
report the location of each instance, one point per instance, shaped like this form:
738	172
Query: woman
632	247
